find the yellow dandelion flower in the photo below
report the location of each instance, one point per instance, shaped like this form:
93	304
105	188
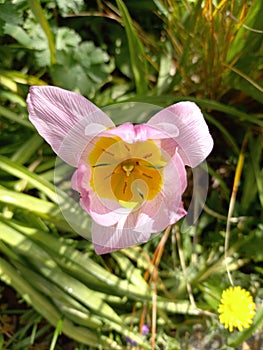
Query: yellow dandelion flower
236	308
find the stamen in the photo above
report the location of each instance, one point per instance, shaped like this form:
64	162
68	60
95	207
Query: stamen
147	155
127	148
149	177
108	152
97	165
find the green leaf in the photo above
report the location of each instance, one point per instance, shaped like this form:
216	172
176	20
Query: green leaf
67	38
18	34
9	13
72	78
67	7
12	97
84	68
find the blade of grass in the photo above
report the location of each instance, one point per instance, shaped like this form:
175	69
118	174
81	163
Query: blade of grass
22	78
7	113
245	40
252	174
230	140
80	265
45	210
69	307
67	284
256	156
48	268
76	219
137	53
232	201
11	167
132	273
41	19
56	334
44	307
13	98
29	148
246	77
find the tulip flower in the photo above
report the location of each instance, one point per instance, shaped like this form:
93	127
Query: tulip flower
130	177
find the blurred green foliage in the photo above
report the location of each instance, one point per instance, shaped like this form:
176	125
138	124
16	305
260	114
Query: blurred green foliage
154	51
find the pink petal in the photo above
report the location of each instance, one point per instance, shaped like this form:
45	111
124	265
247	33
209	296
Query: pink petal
167	207
61	117
104	211
194	139
153	217
138	133
109	239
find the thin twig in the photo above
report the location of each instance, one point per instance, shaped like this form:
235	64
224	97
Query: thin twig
232	201
154	306
153	277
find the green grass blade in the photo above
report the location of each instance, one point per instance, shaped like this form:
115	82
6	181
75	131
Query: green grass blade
23	173
67	207
56	334
28	149
22	78
44	263
80	265
228	137
45	308
70	307
40	17
45	210
255	146
13	117
55	278
132	273
137	53
246	41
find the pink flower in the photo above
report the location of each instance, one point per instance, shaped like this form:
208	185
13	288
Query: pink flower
130	177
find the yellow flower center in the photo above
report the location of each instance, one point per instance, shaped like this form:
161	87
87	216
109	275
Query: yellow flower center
128	173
